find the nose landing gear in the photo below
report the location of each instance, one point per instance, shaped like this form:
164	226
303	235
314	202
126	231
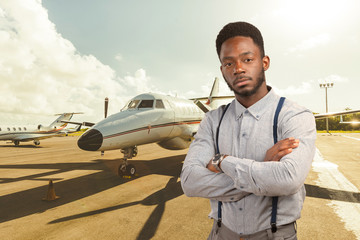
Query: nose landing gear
126	170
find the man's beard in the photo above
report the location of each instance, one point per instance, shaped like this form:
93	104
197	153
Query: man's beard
260	81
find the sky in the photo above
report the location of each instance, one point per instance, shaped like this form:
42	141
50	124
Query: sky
67	56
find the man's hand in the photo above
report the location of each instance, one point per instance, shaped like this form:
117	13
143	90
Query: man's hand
211	167
280	149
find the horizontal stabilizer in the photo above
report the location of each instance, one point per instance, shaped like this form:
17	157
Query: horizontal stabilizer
86	124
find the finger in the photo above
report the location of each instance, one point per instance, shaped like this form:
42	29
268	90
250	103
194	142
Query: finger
281	154
287	143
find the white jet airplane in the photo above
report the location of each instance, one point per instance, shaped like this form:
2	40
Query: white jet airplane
36	133
170	122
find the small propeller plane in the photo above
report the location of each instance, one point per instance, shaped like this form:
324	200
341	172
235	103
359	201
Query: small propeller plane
170	122
36	133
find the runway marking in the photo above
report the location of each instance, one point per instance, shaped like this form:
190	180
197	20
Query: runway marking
351	137
331	177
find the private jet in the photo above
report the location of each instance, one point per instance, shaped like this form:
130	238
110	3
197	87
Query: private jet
36	133
171	122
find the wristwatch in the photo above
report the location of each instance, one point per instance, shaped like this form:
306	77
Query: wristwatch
216	160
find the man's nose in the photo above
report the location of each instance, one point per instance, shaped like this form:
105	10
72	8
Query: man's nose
239	67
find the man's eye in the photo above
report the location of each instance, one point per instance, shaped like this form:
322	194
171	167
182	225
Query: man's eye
227	64
248	60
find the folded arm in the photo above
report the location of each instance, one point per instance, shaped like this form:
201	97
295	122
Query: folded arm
281	178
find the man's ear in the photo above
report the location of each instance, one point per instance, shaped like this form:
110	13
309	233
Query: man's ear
266	62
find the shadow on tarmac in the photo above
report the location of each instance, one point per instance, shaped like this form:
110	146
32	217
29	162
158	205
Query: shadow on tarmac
332	194
20	146
27	202
170	191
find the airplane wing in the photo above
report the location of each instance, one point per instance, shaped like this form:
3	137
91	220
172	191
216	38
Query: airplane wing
332	114
32	137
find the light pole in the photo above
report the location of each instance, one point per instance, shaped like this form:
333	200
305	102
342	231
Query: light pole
326	86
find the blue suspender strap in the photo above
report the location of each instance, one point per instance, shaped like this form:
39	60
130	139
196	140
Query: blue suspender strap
275	199
218	129
218	151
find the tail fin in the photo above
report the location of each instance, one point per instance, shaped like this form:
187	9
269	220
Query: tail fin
214	91
213	101
63	117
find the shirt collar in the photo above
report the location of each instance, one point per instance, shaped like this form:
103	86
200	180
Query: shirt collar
256	110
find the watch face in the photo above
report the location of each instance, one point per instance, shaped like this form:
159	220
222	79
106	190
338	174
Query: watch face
216	159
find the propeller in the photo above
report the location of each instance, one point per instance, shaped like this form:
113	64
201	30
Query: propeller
106	106
106	111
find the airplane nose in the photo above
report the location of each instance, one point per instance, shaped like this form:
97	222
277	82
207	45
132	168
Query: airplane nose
90	140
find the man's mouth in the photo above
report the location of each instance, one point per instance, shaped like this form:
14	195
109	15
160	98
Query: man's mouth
240	82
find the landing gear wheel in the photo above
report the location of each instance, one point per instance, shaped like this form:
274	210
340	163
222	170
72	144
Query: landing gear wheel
126	171
17	142
122	170
131	170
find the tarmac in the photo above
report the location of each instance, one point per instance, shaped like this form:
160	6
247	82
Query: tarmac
94	203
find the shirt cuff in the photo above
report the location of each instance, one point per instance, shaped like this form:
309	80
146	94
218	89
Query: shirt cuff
239	170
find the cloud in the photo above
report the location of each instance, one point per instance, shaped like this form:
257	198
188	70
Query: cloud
42	73
137	84
304	88
119	57
310	43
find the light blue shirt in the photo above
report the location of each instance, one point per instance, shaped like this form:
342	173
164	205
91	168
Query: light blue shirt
247	183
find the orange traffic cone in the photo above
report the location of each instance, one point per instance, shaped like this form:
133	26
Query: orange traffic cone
51	193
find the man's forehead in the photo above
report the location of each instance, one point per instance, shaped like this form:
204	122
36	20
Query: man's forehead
240	45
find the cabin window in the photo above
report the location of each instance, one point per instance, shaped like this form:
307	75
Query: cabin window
24	128
146	104
14	128
8	129
159	104
19	128
0	129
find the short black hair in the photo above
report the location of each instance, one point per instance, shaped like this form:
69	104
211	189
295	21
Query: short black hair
243	29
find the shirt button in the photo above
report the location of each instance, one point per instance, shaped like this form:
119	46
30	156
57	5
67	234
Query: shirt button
246	111
240	209
244	134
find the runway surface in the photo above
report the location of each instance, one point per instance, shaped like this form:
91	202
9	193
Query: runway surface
95	203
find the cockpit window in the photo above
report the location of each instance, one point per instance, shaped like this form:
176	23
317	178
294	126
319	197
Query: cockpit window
146	104
159	104
133	104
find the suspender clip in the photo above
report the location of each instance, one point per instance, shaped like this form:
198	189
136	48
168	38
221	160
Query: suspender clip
219	222
273	227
